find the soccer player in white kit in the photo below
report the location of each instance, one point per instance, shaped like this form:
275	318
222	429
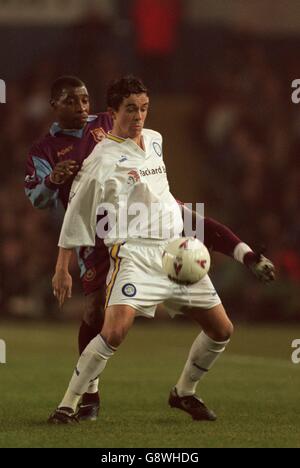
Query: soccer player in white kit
127	169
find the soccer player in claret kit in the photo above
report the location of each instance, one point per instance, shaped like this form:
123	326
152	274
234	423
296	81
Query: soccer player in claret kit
128	164
51	166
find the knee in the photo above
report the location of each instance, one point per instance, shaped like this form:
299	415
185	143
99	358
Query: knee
118	320
226	332
113	337
222	333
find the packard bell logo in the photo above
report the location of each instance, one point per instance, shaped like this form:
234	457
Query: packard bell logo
2	92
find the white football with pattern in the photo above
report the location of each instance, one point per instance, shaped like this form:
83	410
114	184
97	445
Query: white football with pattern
186	260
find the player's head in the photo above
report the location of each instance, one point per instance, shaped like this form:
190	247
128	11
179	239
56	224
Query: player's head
128	102
70	101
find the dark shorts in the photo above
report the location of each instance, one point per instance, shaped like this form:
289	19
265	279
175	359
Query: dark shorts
96	266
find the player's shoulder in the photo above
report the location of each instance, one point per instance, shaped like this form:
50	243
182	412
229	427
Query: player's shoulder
101	119
39	147
152	134
112	146
103	154
97	167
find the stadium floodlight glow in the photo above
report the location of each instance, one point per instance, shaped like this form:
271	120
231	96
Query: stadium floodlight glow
2	352
2	92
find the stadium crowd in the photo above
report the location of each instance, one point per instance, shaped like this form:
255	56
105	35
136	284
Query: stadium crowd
244	127
248	131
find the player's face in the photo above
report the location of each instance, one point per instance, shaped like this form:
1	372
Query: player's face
130	118
72	107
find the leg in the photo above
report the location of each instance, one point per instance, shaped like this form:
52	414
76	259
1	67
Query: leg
208	346
93	317
118	320
214	322
92	322
96	262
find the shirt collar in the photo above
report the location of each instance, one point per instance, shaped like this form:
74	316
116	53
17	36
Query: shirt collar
55	128
143	152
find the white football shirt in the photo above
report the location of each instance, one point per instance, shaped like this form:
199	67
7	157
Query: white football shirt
128	183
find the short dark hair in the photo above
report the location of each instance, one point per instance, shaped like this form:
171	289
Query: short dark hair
63	82
122	88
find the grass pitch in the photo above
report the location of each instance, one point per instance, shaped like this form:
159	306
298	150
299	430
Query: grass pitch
253	388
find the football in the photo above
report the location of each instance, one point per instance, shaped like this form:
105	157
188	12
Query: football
186	260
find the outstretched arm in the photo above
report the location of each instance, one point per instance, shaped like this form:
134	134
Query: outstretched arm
220	238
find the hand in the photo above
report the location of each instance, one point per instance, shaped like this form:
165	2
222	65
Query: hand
263	269
62	286
63	171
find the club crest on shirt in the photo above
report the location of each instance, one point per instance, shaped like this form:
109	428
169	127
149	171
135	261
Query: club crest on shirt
129	290
98	134
90	275
133	177
157	148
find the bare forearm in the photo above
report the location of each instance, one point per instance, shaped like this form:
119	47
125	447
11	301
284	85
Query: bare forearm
63	259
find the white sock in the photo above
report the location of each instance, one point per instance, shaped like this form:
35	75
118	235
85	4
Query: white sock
203	354
93	386
90	364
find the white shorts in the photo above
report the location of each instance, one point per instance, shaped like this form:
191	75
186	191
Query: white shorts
136	278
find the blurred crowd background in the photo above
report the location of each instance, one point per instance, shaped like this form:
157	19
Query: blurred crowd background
220	74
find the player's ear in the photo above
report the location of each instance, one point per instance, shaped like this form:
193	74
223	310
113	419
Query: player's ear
111	112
